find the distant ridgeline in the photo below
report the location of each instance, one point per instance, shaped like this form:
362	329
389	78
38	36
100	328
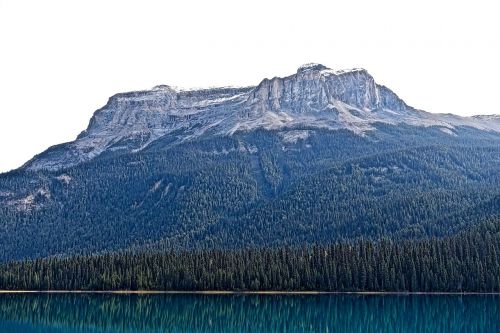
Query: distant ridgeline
465	262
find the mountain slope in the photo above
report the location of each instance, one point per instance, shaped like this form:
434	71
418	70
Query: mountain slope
318	156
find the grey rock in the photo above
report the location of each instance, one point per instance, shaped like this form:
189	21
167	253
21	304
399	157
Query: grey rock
314	97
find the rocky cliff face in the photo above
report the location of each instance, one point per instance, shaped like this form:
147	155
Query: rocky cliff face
314	88
314	97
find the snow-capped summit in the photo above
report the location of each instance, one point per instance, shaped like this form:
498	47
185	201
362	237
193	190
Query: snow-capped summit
325	70
315	97
163	87
311	67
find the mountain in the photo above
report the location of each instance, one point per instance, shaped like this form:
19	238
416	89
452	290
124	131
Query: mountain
314	97
313	157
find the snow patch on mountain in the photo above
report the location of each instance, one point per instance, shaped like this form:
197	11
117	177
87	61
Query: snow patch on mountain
30	201
65	179
448	131
294	136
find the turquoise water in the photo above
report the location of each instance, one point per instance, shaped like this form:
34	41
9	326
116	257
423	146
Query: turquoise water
65	313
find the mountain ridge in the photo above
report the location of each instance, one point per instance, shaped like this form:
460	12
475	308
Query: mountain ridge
315	96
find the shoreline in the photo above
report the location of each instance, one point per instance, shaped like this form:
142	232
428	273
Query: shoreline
227	292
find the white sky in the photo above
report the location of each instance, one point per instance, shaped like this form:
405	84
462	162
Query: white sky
61	60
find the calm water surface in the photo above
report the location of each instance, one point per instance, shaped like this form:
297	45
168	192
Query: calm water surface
66	313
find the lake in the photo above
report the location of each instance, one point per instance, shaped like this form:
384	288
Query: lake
71	313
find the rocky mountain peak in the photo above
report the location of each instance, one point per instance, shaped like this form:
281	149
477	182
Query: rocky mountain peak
311	67
315	87
164	87
314	97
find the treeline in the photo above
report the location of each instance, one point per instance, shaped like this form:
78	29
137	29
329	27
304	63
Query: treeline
467	262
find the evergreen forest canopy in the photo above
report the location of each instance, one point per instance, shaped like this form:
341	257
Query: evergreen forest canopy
465	262
254	190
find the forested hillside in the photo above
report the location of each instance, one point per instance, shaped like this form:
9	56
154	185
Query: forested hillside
256	189
466	262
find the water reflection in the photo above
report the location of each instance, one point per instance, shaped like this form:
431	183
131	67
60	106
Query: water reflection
67	313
